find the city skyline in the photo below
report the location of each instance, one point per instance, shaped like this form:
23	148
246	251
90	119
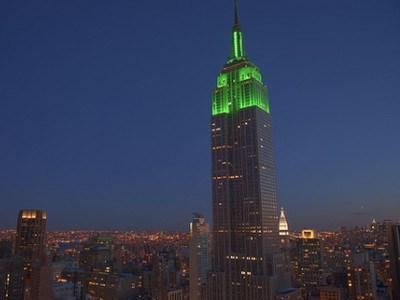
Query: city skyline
91	141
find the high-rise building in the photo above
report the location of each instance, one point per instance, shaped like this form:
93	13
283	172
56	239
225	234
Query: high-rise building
30	246
199	255
164	276
394	253
361	277
247	262
30	241
309	261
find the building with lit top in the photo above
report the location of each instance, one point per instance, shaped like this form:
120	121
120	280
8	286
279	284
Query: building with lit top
30	240
246	259
284	230
283	224
30	246
309	261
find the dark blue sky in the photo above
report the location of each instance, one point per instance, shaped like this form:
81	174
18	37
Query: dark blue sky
105	108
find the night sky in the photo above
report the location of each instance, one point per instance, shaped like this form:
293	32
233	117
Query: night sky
105	108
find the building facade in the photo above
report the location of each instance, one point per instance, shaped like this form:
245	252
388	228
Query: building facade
11	278
30	240
309	261
331	293
30	246
394	253
199	255
246	260
361	277
41	281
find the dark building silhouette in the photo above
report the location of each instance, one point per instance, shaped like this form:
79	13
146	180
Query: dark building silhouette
41	279
6	248
246	259
11	278
394	252
164	276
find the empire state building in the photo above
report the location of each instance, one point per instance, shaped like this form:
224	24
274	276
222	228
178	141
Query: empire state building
246	258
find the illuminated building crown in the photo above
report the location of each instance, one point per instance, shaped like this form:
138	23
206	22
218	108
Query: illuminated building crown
239	84
283	224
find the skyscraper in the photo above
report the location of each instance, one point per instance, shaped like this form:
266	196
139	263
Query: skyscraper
30	246
199	255
31	236
247	262
394	252
361	277
309	261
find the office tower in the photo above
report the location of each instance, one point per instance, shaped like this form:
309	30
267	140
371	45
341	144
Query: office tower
246	259
394	254
199	255
30	246
361	277
283	229
309	261
31	236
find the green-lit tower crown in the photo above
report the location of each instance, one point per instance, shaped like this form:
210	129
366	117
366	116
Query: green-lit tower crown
239	85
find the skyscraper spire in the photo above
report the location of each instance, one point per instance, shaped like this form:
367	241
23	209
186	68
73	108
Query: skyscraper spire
237	38
236	20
